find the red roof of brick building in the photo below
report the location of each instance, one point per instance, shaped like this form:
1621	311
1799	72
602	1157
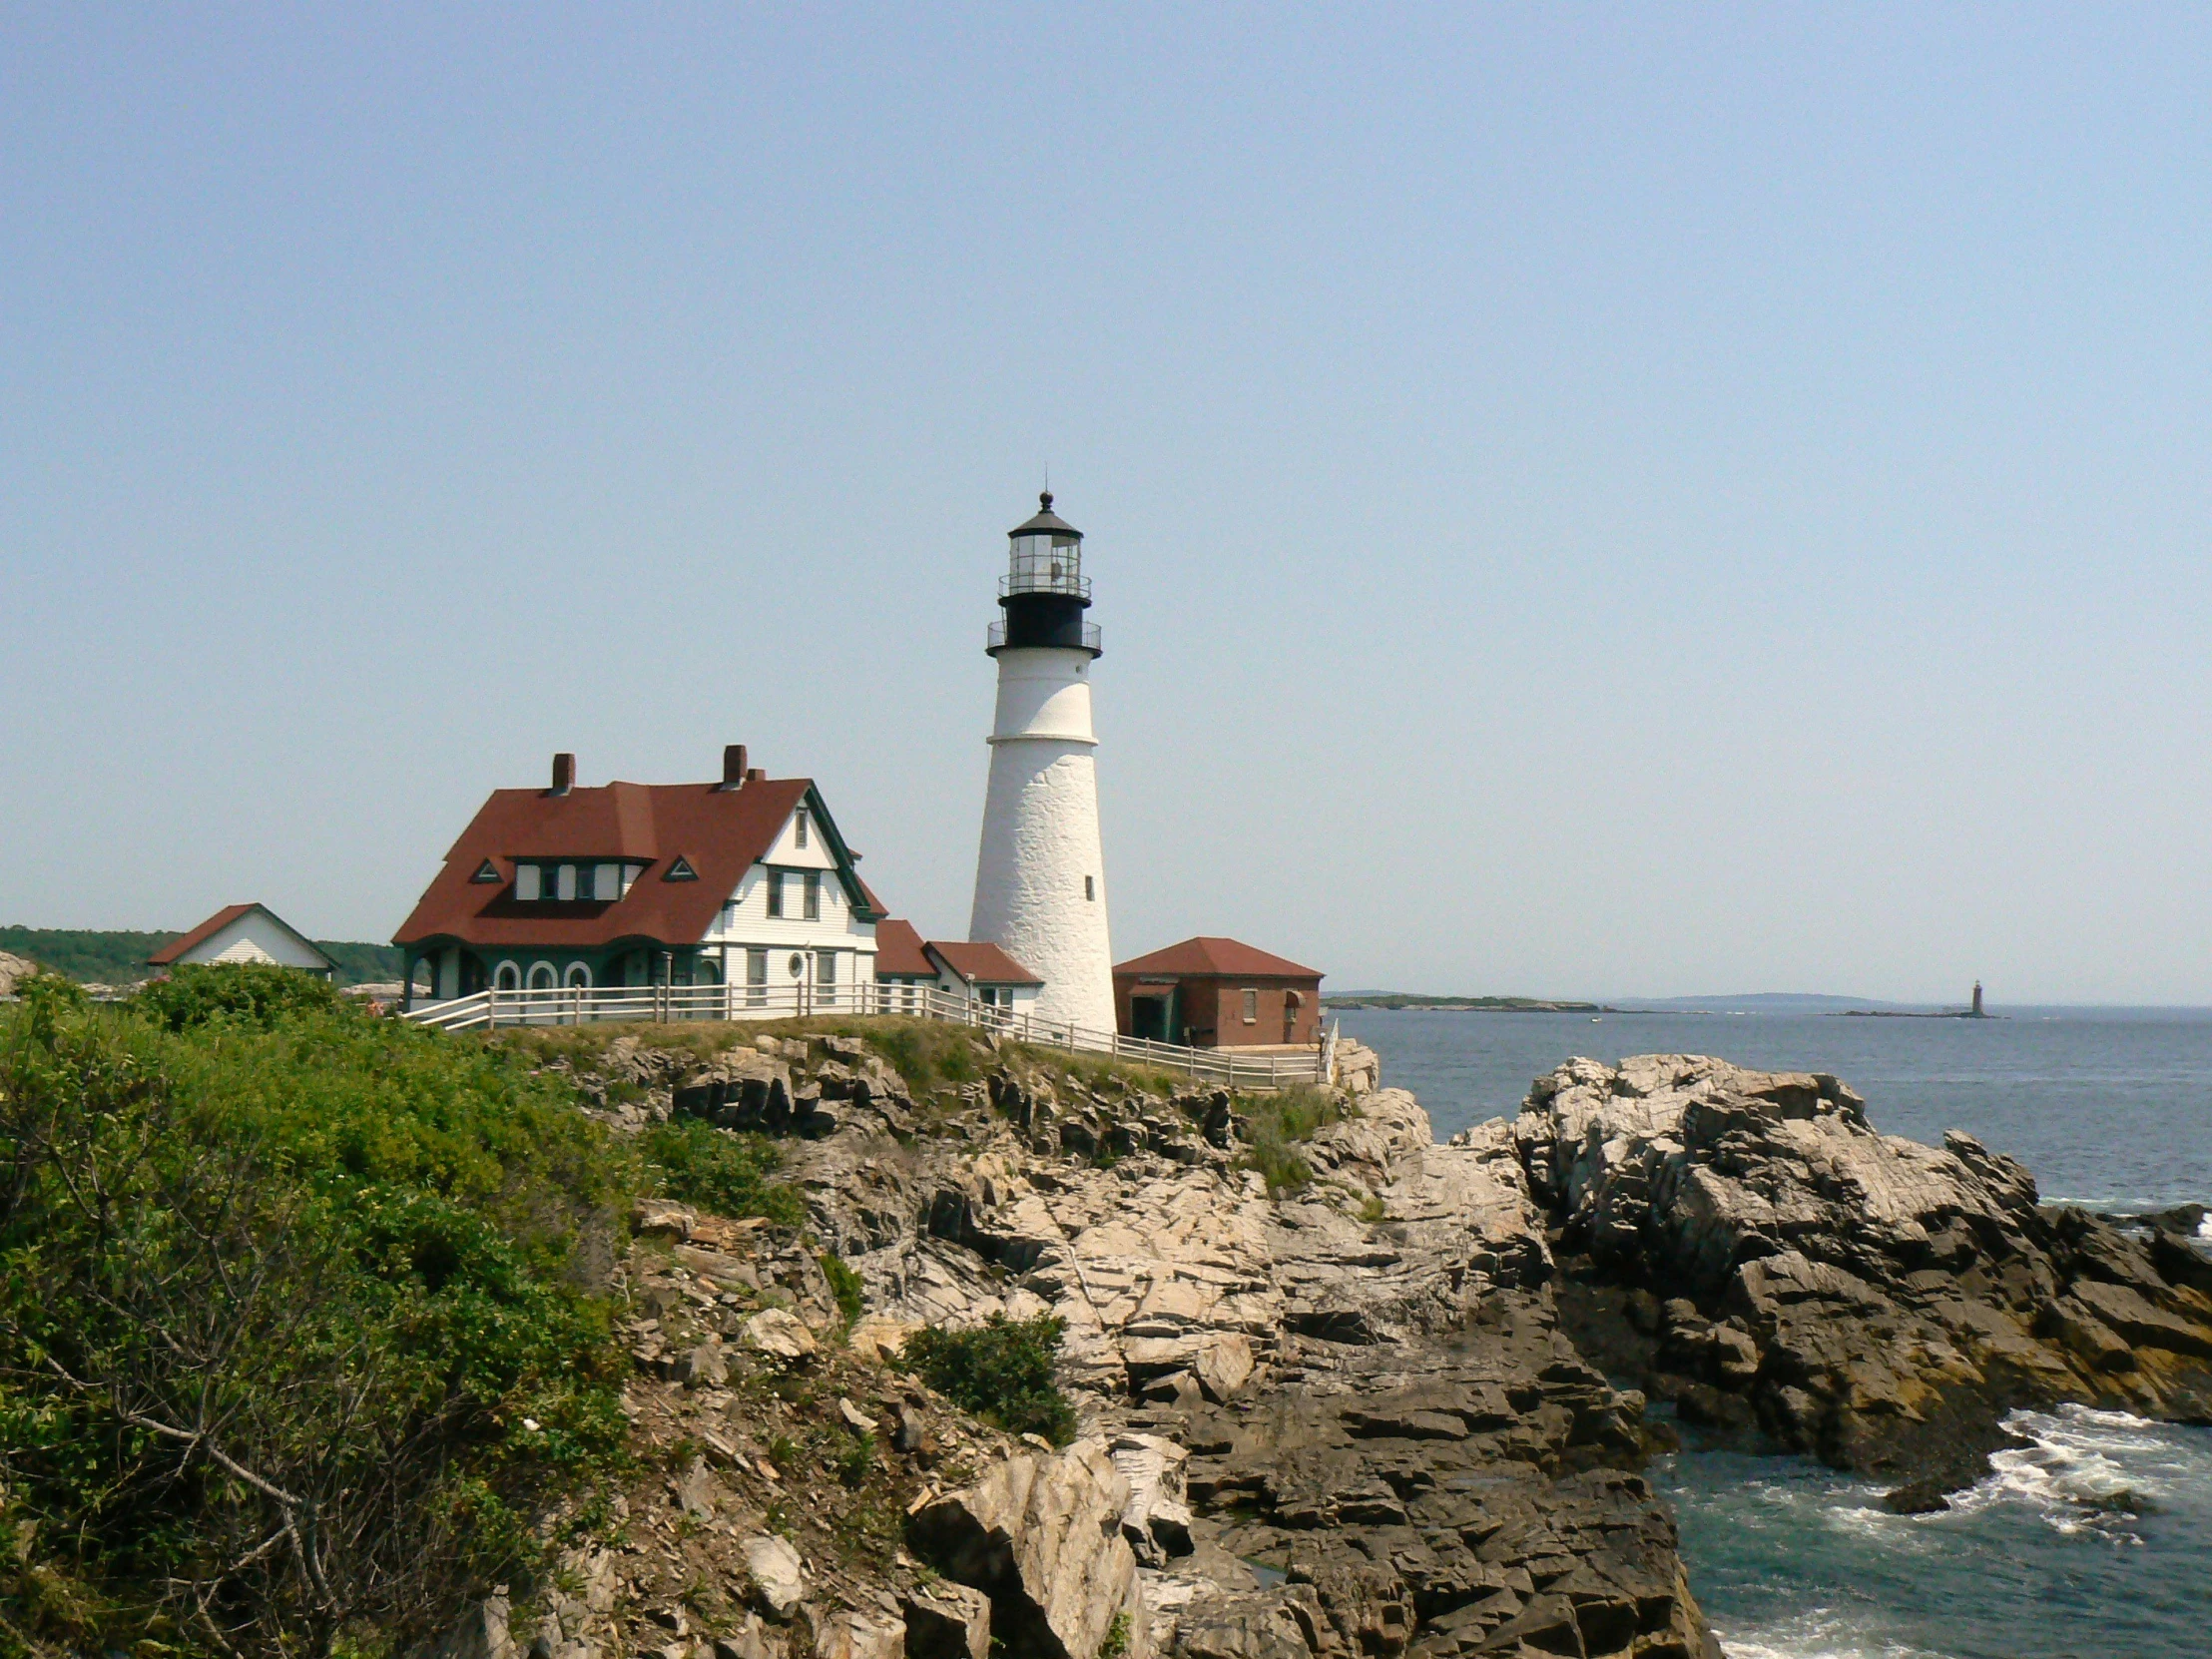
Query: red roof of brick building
1223	958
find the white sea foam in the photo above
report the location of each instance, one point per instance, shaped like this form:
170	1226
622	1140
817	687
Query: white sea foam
1819	1633
2204	1227
2078	1462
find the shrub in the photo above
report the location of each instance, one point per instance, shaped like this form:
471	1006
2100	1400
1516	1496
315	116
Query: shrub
845	1285
255	995
721	1170
1001	1372
856	1460
293	1341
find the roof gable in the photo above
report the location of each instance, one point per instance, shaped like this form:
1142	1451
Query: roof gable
230	913
1224	958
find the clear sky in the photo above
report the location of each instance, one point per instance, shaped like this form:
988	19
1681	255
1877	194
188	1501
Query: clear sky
1585	500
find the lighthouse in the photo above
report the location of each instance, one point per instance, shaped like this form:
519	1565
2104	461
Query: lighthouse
1040	879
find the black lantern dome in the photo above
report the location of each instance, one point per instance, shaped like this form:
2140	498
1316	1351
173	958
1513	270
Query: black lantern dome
1044	592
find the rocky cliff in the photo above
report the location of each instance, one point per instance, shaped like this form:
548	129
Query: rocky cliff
1746	1245
1397	1407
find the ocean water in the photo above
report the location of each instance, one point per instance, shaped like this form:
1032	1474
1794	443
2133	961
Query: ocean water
2095	1542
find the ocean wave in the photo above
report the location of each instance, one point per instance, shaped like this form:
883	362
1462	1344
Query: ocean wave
2085	1472
1817	1634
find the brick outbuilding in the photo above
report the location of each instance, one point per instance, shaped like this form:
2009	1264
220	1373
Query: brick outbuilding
1218	993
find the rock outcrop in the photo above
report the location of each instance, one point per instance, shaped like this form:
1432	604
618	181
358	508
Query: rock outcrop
1747	1245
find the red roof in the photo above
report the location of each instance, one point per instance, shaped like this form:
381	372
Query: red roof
719	832
215	924
981	965
1220	959
899	950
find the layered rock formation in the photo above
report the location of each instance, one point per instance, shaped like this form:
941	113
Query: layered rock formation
1395	1408
1361	1429
1777	1265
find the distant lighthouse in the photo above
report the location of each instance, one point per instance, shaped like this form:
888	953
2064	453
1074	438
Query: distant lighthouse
1040	879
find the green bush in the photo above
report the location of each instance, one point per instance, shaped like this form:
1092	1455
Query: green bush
296	1334
845	1285
1001	1372
251	993
725	1173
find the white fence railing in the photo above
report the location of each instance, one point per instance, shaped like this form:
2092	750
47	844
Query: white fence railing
660	1004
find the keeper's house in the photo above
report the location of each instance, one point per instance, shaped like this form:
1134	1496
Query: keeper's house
745	883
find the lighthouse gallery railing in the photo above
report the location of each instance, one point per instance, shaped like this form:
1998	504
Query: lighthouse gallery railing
661	1004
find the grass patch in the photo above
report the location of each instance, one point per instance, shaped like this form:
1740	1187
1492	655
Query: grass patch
1276	1125
719	1171
1002	1372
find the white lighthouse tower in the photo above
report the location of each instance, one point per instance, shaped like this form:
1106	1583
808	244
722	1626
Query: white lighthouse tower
1040	879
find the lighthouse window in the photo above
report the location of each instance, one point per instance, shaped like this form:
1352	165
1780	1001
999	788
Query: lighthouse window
774	885
799	825
1090	888
811	896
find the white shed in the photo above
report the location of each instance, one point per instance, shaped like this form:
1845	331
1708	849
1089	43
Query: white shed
245	933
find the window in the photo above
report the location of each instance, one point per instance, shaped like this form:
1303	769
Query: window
630	873
579	977
812	896
486	871
680	871
507	979
1252	1007
526	882
565	888
1090	888
825	970
755	978
542	976
774	883
606	881
799	826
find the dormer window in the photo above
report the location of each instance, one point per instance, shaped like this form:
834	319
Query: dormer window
526	883
680	871
564	883
799	826
486	871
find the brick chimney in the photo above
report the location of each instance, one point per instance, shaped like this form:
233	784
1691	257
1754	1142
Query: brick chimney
564	774
733	766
